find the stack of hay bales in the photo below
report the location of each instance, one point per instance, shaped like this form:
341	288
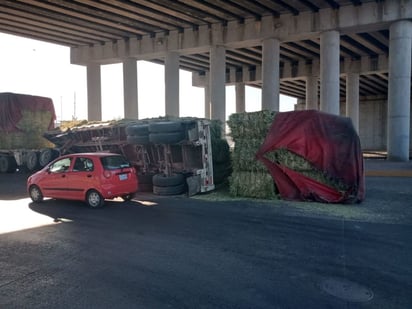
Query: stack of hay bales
250	177
29	133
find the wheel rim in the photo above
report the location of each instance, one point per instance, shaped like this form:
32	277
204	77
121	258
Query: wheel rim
35	194
94	199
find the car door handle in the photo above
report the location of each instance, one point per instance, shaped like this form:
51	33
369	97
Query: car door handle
64	175
89	176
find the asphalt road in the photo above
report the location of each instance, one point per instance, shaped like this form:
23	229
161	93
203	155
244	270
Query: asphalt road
157	252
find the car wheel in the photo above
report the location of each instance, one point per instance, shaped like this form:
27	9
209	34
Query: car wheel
35	194
127	197
94	199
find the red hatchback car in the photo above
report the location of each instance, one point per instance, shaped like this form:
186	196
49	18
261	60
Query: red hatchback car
90	177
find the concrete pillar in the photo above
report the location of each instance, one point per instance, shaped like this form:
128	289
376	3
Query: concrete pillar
352	98
312	93
131	109
172	84
270	74
207	100
240	97
399	91
217	83
94	92
329	72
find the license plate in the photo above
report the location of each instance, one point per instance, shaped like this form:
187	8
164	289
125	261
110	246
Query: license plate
122	176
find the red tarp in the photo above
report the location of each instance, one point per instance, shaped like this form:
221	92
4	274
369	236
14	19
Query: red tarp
12	104
330	143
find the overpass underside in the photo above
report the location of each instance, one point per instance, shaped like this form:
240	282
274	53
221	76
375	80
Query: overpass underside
343	57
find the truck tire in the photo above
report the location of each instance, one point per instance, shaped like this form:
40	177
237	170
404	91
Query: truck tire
32	162
171	190
138	140
7	164
165	126
160	180
137	129
46	156
167	138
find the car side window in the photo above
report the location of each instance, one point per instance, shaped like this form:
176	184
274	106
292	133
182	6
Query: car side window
83	164
60	165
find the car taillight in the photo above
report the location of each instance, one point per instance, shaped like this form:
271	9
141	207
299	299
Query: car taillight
107	174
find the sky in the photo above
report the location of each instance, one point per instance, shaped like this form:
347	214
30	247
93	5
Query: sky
38	68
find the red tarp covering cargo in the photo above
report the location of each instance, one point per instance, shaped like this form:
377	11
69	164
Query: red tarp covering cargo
12	104
330	143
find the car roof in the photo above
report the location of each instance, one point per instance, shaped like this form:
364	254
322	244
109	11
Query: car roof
91	154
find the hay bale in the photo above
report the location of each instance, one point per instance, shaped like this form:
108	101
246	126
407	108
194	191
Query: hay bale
250	125
299	164
243	155
252	184
31	127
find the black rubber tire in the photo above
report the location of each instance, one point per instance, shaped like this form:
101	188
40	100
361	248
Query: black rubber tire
160	180
47	155
35	194
165	126
94	199
137	129
171	190
7	164
220	151
127	197
138	140
167	138
32	162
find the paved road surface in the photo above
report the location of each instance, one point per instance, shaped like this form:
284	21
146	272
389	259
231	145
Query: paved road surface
157	252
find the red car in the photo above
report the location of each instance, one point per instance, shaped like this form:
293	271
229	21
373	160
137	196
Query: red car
89	177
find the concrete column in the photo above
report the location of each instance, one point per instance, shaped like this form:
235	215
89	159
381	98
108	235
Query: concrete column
172	84
240	97
217	83
270	74
312	92
352	98
329	72
207	100
399	91
131	109
94	92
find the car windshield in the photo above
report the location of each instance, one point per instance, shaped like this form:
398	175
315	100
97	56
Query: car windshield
114	162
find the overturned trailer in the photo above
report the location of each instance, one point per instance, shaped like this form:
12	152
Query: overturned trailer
171	156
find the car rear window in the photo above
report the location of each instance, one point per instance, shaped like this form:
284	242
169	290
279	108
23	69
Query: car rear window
114	162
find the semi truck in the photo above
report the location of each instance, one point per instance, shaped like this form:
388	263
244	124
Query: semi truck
23	120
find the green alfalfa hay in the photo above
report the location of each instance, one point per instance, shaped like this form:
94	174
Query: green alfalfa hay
250	125
31	127
252	184
299	164
243	155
